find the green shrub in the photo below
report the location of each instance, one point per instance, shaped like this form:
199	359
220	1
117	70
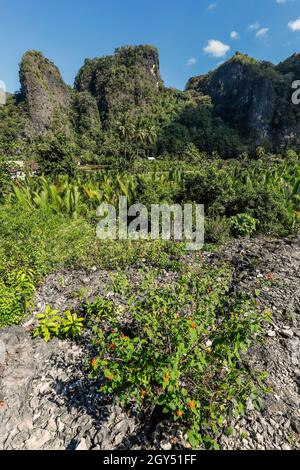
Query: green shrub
151	190
180	352
52	325
16	293
4	177
211	187
267	192
242	225
268	205
57	155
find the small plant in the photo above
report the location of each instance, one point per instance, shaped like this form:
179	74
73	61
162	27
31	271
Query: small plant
80	294
216	230
16	293
52	325
293	438
49	324
243	225
120	284
71	325
101	308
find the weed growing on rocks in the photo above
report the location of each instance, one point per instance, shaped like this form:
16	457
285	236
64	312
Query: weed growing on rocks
16	293
51	325
179	353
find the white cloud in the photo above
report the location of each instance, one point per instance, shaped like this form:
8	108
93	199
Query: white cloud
191	61
262	32
2	93
295	25
234	35
216	48
281	1
254	26
212	6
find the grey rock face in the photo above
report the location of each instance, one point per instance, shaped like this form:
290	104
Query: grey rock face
255	97
48	98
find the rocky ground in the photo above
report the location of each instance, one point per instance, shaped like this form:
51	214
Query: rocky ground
278	425
46	402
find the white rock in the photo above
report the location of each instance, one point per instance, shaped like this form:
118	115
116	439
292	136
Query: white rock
38	438
260	438
286	447
82	445
2	352
166	445
287	333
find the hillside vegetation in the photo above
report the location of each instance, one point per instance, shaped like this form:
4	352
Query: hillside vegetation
119	108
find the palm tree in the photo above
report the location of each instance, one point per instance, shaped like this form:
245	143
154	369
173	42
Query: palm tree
140	135
151	137
126	130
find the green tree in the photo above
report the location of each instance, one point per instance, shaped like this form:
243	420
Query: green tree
57	155
151	137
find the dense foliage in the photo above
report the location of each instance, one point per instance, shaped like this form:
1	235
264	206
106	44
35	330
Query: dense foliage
265	191
16	292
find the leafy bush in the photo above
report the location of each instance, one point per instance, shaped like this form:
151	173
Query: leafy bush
155	190
216	229
212	187
52	325
181	351
270	206
16	293
269	194
242	225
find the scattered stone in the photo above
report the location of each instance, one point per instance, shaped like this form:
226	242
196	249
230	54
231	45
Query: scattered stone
286	447
287	333
166	445
295	425
2	352
82	445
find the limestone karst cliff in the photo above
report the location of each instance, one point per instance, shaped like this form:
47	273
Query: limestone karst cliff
255	98
128	78
242	104
47	97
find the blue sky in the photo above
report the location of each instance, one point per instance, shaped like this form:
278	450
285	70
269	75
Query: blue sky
68	31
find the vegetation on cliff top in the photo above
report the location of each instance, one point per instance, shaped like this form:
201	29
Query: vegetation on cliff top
119	108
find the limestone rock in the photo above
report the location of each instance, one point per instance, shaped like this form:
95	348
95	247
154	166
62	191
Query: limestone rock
48	99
